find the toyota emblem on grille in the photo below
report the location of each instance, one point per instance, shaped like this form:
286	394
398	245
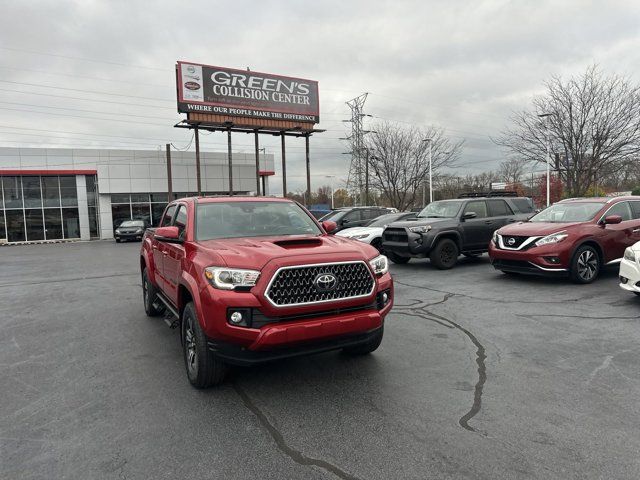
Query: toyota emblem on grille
325	282
511	241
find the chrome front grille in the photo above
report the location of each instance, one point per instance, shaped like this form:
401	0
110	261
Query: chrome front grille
304	284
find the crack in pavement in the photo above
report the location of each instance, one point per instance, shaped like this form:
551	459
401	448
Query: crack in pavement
295	455
421	311
75	279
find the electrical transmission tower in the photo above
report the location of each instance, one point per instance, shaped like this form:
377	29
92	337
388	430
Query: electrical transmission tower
356	179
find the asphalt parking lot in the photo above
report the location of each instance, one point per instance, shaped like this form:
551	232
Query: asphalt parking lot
480	376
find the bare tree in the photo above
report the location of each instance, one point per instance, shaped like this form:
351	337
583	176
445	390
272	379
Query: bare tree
398	159
511	170
593	122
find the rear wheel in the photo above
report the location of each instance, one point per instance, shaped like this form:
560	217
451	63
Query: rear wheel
117	240
203	369
445	254
149	296
585	265
368	347
395	258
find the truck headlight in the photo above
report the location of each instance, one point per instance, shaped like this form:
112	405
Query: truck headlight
230	278
553	238
420	229
380	265
629	255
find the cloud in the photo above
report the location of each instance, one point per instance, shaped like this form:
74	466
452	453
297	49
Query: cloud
463	65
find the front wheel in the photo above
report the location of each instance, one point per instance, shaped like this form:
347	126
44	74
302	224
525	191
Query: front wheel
203	369
585	265
367	347
445	254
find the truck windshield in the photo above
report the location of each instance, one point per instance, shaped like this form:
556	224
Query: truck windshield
252	219
568	212
444	209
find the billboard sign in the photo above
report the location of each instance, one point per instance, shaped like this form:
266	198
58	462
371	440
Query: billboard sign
243	93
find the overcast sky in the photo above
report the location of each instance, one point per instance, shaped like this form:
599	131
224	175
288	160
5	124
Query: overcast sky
461	65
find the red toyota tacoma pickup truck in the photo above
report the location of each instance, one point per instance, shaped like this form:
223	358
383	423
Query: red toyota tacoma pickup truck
252	279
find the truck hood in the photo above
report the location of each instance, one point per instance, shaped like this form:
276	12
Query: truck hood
254	253
535	229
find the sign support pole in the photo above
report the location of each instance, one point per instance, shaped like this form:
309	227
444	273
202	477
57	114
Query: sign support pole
169	184
257	164
284	169
230	162
306	142
198	179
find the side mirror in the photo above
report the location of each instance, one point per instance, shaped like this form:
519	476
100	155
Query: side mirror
168	234
329	226
612	219
469	215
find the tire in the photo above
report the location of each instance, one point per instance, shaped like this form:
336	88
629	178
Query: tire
585	265
368	347
377	243
117	240
149	293
445	254
203	369
637	293
472	255
395	258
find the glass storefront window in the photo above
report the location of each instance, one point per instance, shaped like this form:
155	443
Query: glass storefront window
141	211
53	223
35	224
92	197
15	225
120	213
3	232
93	222
68	191
31	192
157	209
71	223
12	192
51	191
120	198
139	198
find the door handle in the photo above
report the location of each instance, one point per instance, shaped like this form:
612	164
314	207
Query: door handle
488	222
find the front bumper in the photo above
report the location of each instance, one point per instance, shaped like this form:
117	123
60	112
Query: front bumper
417	245
629	276
535	261
128	236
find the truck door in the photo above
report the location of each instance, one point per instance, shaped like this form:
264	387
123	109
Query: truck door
174	253
476	231
500	213
159	249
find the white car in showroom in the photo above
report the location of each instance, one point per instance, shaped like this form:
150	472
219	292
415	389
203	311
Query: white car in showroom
372	232
630	269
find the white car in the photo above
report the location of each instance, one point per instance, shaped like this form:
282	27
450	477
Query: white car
630	269
372	232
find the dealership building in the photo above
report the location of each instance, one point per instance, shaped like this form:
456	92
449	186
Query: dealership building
49	194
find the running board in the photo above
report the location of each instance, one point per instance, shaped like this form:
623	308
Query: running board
172	321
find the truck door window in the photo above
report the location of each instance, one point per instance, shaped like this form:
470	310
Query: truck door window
479	207
168	215
499	208
181	220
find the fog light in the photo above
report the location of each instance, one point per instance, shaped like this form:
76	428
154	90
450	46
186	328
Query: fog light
385	298
236	318
554	260
623	280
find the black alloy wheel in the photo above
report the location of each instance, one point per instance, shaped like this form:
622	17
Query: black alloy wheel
445	254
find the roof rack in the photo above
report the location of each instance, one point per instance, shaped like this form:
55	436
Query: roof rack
492	193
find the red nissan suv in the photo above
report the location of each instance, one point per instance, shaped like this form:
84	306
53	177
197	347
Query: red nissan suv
575	238
249	280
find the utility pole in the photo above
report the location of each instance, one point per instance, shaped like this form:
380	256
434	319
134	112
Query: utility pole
169	176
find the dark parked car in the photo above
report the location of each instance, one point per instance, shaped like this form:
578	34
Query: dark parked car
130	230
355	216
445	229
574	238
319	213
